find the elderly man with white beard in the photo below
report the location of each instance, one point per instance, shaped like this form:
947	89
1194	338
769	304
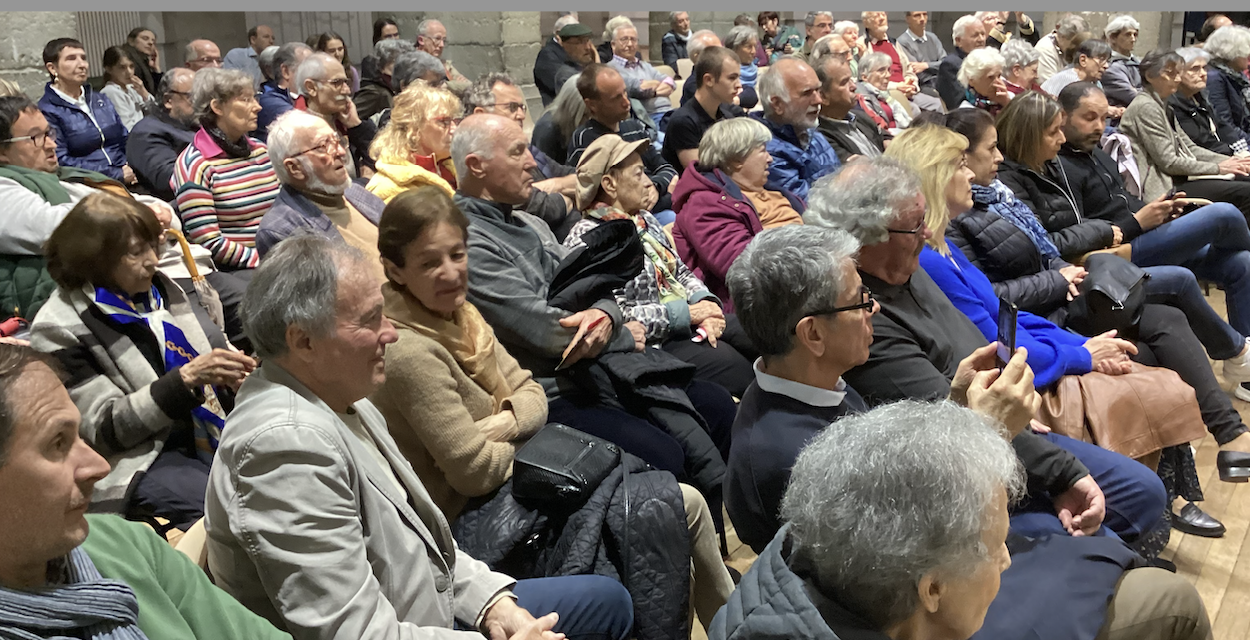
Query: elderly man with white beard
317	196
790	93
326	91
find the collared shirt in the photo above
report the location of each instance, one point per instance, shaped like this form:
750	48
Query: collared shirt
244	59
80	102
805	393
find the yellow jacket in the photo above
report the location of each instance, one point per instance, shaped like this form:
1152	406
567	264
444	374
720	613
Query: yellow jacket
394	178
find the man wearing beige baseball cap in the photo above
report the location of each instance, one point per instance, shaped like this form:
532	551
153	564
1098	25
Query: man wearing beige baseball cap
666	305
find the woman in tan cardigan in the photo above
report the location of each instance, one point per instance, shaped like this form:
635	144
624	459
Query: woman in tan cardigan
456	403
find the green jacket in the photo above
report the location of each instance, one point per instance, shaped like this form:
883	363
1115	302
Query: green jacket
176	599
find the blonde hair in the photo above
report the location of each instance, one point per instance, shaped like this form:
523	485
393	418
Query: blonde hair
9	88
934	153
416	105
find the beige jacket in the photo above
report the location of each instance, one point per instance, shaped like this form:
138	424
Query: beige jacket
1161	148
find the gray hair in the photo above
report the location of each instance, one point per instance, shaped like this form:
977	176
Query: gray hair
166	85
286	135
286	56
773	84
564	21
190	54
423	27
1017	51
822	47
1070	25
981	15
730	141
783	275
697	43
810	18
1190	54
740	35
979	62
296	284
412	66
265	60
1120	24
212	83
482	92
314	67
672	16
568	110
873	61
842	27
961	26
879	500
1228	43
475	136
388	51
863	198
609	29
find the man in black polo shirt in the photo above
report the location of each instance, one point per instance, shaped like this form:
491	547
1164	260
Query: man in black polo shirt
717	73
607	102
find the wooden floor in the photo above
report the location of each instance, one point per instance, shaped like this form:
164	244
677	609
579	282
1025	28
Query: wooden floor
1218	568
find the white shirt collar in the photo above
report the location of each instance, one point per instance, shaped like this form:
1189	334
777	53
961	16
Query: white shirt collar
805	393
921	38
80	101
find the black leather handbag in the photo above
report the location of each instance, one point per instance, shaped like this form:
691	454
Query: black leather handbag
558	469
1112	296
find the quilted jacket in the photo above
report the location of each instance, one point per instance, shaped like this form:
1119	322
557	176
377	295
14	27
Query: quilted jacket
1071	232
24	286
795	167
633	529
98	145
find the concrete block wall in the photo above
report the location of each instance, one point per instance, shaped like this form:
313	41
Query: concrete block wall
22	37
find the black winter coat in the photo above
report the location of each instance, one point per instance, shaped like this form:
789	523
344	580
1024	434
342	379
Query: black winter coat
1008	257
1197	118
1054	206
632	531
1098	189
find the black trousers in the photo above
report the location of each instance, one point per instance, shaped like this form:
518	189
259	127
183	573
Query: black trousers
727	364
1235	192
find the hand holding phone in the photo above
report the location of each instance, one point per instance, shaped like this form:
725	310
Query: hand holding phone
1007	314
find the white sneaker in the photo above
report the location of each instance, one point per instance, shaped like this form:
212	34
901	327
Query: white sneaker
1241	392
1237	369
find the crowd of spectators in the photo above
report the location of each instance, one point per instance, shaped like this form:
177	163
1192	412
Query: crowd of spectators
322	323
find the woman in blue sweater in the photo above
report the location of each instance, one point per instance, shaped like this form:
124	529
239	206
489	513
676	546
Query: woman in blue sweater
89	133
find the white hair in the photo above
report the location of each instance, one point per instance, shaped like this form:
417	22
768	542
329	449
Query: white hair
842	27
980	63
314	67
698	42
862	198
475	136
773	84
564	21
1228	43
610	29
287	135
1017	51
730	141
961	26
1120	24
1190	54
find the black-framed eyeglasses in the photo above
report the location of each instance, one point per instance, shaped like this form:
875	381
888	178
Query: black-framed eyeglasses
911	232
328	148
37	138
866	300
511	107
171	92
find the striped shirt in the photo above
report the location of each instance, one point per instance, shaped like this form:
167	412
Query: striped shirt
221	199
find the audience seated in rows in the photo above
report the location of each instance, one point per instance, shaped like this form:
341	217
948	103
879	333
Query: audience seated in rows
1122	79
278	96
566	54
555	183
70	574
968	35
666	303
790	93
377	89
1194	112
902	77
920	336
1166	157
643	81
155	142
224	181
1226	81
849	130
981	76
305	449
410	67
414	148
1056	48
1020	62
829	574
432	39
259	38
876	100
153	382
724	201
719	79
85	126
673	42
604	91
317	195
325	92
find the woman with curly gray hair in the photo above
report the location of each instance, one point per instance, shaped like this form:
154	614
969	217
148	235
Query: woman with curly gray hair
223	181
1227	87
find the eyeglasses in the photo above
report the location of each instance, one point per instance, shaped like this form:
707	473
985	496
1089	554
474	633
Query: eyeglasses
866	301
328	147
627	40
337	83
910	232
436	39
37	138
171	92
511	107
447	121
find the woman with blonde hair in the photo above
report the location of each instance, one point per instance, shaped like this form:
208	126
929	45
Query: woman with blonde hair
414	149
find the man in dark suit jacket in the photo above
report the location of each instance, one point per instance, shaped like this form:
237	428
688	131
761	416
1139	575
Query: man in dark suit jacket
849	130
969	34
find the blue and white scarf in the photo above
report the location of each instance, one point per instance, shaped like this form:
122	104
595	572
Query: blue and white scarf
86	606
999	198
209	418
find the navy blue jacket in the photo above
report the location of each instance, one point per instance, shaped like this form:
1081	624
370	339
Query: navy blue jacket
153	148
1227	102
273	103
79	141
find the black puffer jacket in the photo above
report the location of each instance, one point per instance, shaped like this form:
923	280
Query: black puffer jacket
1098	189
1069	230
634	532
1008	257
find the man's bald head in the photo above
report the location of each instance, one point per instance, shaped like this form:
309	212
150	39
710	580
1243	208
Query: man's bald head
492	159
700	40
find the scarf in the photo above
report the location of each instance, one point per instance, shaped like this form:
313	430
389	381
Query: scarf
1243	85
85	605
209	418
685	38
233	148
999	198
662	259
48	185
466	336
981	102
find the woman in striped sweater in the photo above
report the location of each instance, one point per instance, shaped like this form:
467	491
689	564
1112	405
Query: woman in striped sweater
223	181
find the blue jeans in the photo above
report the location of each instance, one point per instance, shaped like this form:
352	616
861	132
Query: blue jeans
1134	494
1214	242
590	607
665	217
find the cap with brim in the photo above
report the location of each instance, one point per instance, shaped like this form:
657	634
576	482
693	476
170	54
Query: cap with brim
575	30
602	154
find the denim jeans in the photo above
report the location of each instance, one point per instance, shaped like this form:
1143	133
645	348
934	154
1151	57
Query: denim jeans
1214	242
1135	498
590	607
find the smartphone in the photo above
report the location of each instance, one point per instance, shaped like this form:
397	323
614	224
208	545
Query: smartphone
1007	313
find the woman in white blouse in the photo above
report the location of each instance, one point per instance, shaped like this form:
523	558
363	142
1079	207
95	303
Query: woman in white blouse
123	87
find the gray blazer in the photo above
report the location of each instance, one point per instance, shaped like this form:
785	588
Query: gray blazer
1161	147
305	529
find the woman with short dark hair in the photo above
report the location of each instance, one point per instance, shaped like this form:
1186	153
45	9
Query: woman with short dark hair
89	133
153	384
